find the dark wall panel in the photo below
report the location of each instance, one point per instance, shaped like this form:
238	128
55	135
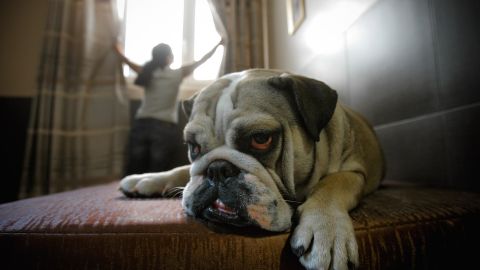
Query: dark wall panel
463	146
415	151
458	51
391	65
413	70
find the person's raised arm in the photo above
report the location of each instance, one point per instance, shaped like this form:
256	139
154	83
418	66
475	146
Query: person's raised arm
137	68
188	69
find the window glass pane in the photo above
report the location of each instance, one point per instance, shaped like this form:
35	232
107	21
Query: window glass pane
150	22
206	37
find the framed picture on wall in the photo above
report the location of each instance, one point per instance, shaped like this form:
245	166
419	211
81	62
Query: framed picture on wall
295	14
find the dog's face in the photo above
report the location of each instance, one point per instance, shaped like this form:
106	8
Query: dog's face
251	139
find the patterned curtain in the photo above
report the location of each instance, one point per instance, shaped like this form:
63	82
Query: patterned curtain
80	114
240	23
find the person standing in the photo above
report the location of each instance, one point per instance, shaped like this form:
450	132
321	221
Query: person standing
150	147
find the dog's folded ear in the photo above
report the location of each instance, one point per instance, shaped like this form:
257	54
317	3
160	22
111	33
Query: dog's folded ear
187	105
314	101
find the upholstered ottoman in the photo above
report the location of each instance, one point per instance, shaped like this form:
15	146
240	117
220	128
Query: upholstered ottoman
98	228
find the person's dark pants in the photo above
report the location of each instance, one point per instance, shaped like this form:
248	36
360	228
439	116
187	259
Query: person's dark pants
152	143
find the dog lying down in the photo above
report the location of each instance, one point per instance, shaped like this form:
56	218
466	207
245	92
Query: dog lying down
261	139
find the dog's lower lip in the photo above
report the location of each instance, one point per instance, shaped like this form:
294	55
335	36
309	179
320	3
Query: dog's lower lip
220	206
225	216
220	212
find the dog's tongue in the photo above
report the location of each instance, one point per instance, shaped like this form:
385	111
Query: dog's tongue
220	206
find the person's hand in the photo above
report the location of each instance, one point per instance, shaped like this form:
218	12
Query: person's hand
117	48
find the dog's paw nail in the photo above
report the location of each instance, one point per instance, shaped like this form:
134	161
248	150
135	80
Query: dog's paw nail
298	251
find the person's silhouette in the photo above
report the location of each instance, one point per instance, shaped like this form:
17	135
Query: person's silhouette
149	147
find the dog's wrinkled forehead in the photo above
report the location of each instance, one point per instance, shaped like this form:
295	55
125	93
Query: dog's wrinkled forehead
215	106
257	91
220	97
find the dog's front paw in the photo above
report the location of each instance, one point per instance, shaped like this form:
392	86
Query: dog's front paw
146	185
324	239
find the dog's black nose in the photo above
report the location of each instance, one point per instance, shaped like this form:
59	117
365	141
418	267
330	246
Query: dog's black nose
219	170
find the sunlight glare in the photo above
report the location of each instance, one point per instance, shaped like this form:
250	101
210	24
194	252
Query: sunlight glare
150	22
326	34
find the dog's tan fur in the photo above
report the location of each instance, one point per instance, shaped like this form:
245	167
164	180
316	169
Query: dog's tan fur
328	174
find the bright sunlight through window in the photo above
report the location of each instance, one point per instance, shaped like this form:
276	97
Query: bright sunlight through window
150	22
206	36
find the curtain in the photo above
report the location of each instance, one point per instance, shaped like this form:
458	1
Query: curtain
240	23
80	114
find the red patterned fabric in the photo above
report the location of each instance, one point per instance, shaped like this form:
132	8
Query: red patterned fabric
98	228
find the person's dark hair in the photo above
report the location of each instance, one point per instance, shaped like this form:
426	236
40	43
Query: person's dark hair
160	54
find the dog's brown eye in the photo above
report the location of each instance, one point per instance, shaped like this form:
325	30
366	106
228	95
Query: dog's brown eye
261	141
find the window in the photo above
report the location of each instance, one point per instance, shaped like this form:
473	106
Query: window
187	26
205	38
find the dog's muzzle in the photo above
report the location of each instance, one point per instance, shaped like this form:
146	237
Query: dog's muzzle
220	171
229	195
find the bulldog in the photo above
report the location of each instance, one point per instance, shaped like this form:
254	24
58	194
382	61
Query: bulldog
271	149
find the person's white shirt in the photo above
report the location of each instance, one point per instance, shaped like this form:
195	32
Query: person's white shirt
160	100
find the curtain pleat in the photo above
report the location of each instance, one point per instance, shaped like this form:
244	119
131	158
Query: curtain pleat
240	22
80	115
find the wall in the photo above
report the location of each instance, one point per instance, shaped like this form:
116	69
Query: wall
21	29
409	66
